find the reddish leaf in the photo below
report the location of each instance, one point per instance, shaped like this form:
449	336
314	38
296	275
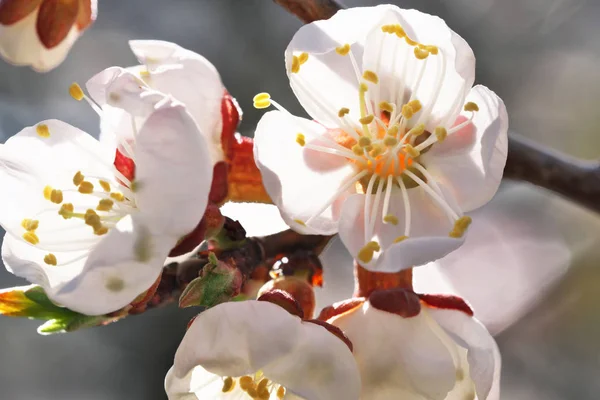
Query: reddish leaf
55	20
125	165
86	14
12	11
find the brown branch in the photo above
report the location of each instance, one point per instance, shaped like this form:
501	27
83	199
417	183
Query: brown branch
576	180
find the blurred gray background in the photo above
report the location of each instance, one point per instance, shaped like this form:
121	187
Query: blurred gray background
540	56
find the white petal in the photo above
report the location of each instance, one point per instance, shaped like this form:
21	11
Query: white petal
235	339
124	264
327	82
20	45
179	69
257	219
471	335
398	358
299	180
196	385
320	367
473	173
173	171
428	239
444	79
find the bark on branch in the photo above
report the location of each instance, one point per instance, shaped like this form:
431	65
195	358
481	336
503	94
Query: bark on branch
574	179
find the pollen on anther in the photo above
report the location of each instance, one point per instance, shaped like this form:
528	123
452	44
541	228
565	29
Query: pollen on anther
420	53
302	58
407	111
343	50
366	120
432	49
460	227
393	130
295	64
47	192
31	237
410	42
105	185
50	259
470	106
100	230
399	31
30	224
76	92
356	149
300	139
371	76
262	100
56	196
228	384
365	254
390	219
411	151
390	141
105	205
117	196
363	87
246	382
66	210
42	131
343	111
415	105
78	178
86	187
385	106
400	238
281	392
364	141
417	130
441	133
300	222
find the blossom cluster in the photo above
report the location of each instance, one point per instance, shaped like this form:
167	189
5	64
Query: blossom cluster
399	147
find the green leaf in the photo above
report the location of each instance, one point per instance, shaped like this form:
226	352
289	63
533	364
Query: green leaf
214	287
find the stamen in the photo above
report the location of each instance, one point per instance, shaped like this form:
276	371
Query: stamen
460	227
50	259
246	382
364	141
449	211
400	238
420	53
262	100
47	192
302	58
390	219
295	64
386	202
300	139
76	92
390	141
371	76
470	106
343	111
281	393
66	210
105	185
399	31
31	237
356	149
343	50
117	196
407	111
366	253
385	106
105	205
56	196
228	385
393	130
417	130
30	224
86	187
78	178
366	120
411	151
415	105
409	41
407	214
42	131
440	133
300	222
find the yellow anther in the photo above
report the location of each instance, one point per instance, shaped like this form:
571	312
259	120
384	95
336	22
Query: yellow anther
30	224
281	393
367	119
399	31
105	185
50	259
262	384
76	92
343	111
105	205
252	392
295	64
432	49
300	139
117	196
300	222
246	382
387	28
393	130
415	105
440	133
343	50
371	76
400	238
31	237
364	141
385	106
376	151
145	74
264	394
390	219
302	58
66	210
43	131
100	230
411	151
417	130
470	106
409	41
363	87
390	141
262	100
460	227
91	218
356	149
47	192
368	148
373	245
228	385
86	187
365	254
421	54
78	178
407	111
56	196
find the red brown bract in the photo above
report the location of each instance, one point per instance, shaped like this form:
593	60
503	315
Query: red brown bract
446	302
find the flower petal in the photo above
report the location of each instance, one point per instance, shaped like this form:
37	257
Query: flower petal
257	219
428	239
20	45
327	81
473	172
440	81
399	358
481	349
300	181
173	171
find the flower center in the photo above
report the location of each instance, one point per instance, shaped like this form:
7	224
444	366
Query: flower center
255	387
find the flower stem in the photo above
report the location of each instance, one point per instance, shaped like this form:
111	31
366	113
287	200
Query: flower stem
366	281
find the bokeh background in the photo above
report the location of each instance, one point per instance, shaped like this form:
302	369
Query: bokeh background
532	273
